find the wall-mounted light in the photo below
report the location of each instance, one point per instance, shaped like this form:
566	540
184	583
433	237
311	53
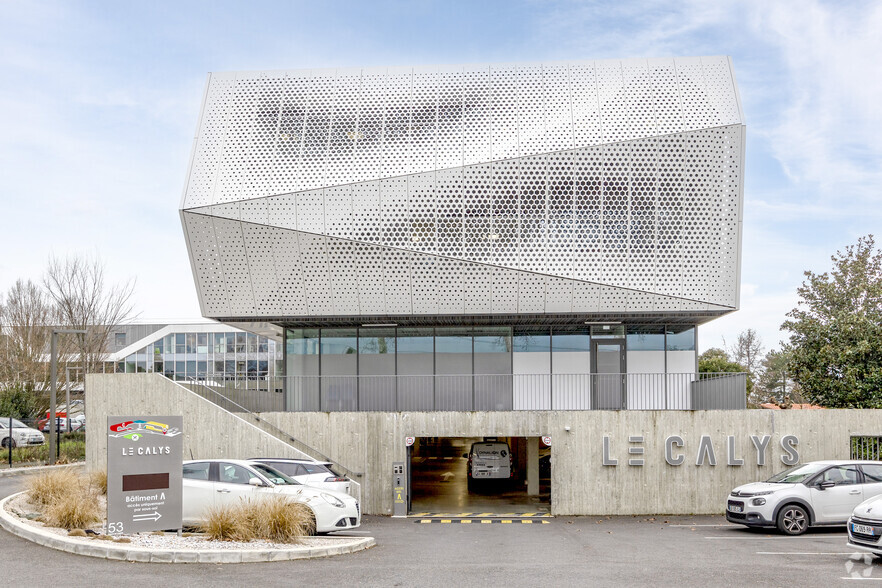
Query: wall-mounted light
567	428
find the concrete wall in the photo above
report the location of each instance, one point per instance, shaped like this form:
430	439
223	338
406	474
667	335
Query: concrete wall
581	484
208	430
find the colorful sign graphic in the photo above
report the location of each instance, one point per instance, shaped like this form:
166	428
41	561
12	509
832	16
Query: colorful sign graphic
134	430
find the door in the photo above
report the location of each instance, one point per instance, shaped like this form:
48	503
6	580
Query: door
198	491
835	503
608	374
232	484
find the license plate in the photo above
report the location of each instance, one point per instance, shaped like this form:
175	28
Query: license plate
481	475
733	508
862	529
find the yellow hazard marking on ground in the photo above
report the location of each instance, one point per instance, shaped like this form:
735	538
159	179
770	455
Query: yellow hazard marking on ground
482	521
485	521
480	515
466	522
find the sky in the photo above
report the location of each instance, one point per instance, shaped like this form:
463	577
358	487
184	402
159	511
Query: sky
99	103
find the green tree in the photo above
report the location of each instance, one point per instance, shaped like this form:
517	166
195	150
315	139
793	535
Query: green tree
716	360
19	402
776	378
836	330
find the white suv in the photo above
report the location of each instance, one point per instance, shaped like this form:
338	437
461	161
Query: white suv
814	493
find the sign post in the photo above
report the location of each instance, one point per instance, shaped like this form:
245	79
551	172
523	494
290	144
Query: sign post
144	473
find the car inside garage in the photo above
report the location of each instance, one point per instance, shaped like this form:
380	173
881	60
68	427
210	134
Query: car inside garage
480	475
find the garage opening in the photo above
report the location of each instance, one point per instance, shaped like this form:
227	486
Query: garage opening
480	475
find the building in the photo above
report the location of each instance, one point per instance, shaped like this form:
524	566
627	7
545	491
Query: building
544	236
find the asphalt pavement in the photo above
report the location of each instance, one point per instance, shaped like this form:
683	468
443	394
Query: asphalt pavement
569	551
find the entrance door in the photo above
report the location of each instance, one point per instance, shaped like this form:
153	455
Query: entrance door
608	374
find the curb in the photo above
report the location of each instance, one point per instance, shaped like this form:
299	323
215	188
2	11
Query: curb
37	469
117	551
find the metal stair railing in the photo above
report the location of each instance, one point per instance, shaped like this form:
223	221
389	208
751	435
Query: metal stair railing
208	393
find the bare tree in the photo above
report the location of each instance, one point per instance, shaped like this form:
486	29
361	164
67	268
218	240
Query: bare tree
748	351
85	301
26	319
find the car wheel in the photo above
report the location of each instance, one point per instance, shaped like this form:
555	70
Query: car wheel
793	520
5	443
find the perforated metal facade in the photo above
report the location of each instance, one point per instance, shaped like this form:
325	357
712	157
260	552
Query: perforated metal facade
589	187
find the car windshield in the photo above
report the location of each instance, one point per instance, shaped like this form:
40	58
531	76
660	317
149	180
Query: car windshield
797	474
274	475
16	424
315	468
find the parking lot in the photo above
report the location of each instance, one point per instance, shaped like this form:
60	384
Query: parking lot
692	551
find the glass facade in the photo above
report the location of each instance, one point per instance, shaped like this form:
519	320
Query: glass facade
458	351
208	356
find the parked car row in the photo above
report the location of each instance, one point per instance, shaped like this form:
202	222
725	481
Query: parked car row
217	482
817	493
77	423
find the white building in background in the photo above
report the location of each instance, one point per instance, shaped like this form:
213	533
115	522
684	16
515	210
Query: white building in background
536	236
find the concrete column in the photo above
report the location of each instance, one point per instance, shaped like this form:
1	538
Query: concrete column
532	466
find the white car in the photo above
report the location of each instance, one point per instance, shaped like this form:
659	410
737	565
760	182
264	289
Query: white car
865	524
318	474
21	434
810	494
213	482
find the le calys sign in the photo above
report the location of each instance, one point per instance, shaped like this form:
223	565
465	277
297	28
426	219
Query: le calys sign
144	473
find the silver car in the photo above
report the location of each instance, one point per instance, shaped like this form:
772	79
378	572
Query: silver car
318	474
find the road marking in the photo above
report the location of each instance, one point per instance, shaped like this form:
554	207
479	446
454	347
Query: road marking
482	521
723	525
784	537
805	552
857	578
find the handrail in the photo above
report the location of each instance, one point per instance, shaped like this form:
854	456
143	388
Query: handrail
307	450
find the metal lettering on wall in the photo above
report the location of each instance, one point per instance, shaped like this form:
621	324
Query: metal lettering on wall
144	473
675	449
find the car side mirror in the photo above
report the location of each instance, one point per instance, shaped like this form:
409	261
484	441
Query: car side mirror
255	482
825	485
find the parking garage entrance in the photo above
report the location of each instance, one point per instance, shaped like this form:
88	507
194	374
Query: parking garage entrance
472	476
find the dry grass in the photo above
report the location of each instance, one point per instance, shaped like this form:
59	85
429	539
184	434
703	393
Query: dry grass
47	487
224	523
75	510
98	481
272	518
67	499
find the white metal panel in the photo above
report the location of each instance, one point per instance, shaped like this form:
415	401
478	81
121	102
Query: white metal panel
398	272
316	273
655	210
237	277
343	266
259	241
371	279
207	267
289	273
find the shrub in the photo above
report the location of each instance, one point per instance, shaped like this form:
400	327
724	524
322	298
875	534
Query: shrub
277	519
98	481
46	487
74	510
273	518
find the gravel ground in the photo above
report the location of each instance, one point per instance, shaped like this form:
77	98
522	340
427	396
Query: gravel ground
21	507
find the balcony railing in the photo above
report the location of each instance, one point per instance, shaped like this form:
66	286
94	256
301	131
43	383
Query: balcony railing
495	392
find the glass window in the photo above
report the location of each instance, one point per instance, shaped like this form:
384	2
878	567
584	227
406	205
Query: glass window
873	473
262	344
570	339
240	342
646	338
180	372
180	343
453	340
230	473
219	345
157	367
415	341
231	343
197	471
608	331
339	341
301	341
841	475
531	340
218	367
492	339
202	343
681	338
376	341
157	348
251	338
201	366
120	339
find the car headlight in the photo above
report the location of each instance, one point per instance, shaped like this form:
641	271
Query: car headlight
333	500
764	493
758	501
